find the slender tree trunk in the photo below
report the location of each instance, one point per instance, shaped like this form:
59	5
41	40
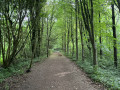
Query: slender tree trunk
72	33
68	37
81	31
65	42
100	39
76	10
114	35
33	40
39	41
0	40
82	44
47	39
65	37
93	37
62	42
41	35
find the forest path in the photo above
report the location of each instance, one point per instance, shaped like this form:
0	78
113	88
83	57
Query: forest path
57	73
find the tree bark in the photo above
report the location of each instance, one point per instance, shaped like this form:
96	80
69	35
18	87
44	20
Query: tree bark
76	10
81	31
72	33
100	39
82	43
93	37
47	38
68	40
114	36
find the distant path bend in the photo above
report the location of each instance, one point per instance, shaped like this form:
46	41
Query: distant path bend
57	73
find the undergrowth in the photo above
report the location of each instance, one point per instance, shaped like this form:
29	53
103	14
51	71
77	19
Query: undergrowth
106	73
17	68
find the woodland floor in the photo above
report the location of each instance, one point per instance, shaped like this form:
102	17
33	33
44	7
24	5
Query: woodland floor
55	73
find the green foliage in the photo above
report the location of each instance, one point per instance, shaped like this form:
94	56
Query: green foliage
61	17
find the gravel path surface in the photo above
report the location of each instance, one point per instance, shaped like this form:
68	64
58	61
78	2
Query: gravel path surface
57	73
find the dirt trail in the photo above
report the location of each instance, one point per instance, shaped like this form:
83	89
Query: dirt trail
57	73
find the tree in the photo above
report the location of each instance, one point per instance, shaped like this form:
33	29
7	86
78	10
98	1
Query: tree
87	15
114	36
100	39
11	29
35	9
81	27
76	13
50	24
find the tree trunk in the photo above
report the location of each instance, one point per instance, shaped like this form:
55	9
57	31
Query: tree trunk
100	39
68	37
41	36
0	36
93	37
81	29
0	40
76	10
65	42
114	35
62	42
82	44
47	39
33	31
39	41
72	34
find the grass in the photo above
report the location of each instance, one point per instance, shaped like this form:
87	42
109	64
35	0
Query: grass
17	68
106	73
